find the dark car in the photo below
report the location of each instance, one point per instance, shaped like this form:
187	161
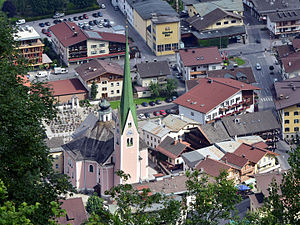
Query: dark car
75	18
156	113
70	19
56	21
85	16
152	103
106	20
44	31
95	15
168	100
80	17
157	102
170	111
91	23
147	115
41	24
257	41
174	98
47	23
96	22
100	14
145	104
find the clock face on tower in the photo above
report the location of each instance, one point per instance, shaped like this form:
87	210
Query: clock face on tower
129	132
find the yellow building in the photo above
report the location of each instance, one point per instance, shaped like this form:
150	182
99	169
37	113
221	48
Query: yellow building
54	144
288	106
158	24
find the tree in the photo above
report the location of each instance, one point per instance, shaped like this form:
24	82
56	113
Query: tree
170	87
155	89
9	8
94	91
211	201
25	167
82	3
94	204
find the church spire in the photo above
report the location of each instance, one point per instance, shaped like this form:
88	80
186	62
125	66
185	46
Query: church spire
127	103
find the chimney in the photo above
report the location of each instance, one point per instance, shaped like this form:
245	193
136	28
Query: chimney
193	51
159	121
225	160
154	60
175	142
185	49
73	28
210	81
181	116
281	96
289	63
146	61
75	34
243	156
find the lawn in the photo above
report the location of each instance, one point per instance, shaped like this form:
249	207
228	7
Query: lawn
239	61
137	101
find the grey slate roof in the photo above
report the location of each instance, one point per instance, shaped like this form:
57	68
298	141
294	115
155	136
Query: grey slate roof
168	145
290	15
156	129
250	123
89	122
224	32
54	142
215	132
192	158
145	8
153	69
264	7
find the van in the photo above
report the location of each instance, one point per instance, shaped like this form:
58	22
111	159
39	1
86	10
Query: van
41	74
20	22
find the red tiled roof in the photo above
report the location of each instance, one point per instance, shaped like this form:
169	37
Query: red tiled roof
75	212
234	159
260	144
200	56
296	43
252	153
212	167
201	99
67	87
64	32
291	62
112	37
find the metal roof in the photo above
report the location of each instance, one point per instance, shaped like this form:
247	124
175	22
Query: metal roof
212	152
93	34
192	158
156	129
177	122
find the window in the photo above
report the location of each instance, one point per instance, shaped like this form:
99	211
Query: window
296	120
93	52
118	84
237	99
112	92
287	129
151	138
102	45
129	124
286	122
56	166
213	67
233	21
93	46
160	48
102	51
296	128
104	89
147	135
296	113
104	82
227	102
154	139
231	101
225	22
56	157
91	168
175	46
192	113
129	141
167	47
286	113
298	105
218	23
111	84
99	172
72	175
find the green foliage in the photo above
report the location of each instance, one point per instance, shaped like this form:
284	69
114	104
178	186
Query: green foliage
82	3
213	201
239	61
214	42
170	87
9	8
84	103
94	204
94	91
25	166
166	90
155	89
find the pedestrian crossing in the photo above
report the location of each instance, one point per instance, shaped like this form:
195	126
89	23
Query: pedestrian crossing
266	99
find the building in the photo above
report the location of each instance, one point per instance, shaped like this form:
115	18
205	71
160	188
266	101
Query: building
151	72
290	66
284	23
215	98
196	62
107	76
31	46
157	23
54	144
64	90
98	148
74	45
287	104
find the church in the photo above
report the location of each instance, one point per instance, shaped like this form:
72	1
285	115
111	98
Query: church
106	143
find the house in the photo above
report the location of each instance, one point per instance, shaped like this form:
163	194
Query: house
244	166
284	22
75	212
289	65
64	90
215	98
213	168
196	62
105	144
74	45
263	182
263	159
54	144
287	104
151	72
106	75
30	45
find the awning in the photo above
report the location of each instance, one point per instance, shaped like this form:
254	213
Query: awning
242	187
250	181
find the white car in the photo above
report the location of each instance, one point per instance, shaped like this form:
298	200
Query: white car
142	116
20	22
41	74
258	66
103	6
100	25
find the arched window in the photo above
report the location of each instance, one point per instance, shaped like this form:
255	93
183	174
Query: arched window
91	168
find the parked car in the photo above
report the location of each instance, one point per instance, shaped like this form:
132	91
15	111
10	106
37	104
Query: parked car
41	24
163	112
80	17
100	25
70	19
103	6
156	113
41	74
20	22
147	115
85	16
96	22
174	98
170	111
258	66
75	18
44	31
142	116
48	34
91	23
95	15
168	100
152	103
157	102
100	14
145	104
47	23
258	41
57	21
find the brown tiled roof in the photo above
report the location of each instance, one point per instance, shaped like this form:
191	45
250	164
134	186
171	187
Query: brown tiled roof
289	89
236	73
212	167
201	99
200	56
66	87
252	153
296	43
235	160
261	144
96	68
75	212
291	62
171	148
264	180
65	33
284	50
200	23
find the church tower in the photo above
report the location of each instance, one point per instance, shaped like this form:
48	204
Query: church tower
127	156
